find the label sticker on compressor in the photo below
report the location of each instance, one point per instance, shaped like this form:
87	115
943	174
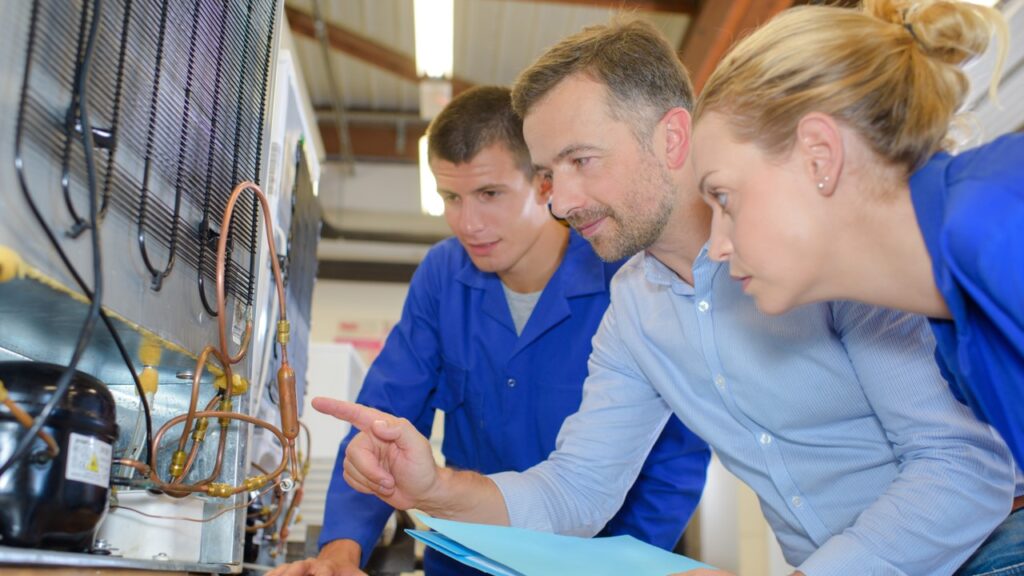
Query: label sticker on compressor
88	460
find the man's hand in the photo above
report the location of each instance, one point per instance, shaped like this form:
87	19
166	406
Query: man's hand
389	458
338	558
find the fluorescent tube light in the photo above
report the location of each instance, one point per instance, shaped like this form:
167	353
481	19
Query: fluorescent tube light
435	32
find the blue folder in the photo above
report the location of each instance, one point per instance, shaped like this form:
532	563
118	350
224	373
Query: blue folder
505	551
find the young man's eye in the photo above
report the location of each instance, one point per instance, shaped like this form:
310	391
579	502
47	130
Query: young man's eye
581	162
449	198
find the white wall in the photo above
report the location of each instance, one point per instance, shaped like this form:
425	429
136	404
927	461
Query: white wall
336	301
734	535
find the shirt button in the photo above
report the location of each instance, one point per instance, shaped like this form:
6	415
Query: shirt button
766	438
511	382
797	501
720	381
703	306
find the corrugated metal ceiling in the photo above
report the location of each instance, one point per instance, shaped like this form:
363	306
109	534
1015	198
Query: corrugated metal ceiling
494	40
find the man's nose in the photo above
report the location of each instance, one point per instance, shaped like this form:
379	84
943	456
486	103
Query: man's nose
566	196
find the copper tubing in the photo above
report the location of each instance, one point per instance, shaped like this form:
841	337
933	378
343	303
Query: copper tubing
222	243
26	420
287	402
155	477
296	500
194	451
196	376
278	495
219	463
309	449
141	467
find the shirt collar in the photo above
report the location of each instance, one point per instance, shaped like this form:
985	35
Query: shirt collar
928	195
657	273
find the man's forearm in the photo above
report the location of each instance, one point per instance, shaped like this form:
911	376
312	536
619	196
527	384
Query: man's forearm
346	551
467	497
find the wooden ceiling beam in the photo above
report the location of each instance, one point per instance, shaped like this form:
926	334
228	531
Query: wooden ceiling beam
362	47
671	6
379	142
716	27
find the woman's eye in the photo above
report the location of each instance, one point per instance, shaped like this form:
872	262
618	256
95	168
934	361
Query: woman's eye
580	162
721	198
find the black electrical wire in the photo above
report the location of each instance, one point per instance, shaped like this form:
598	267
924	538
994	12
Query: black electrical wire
158	275
204	225
78	223
85	334
19	166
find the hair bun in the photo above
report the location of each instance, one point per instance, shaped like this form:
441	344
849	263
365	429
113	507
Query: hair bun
949	30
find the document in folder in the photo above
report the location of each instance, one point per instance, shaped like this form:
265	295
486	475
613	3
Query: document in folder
505	551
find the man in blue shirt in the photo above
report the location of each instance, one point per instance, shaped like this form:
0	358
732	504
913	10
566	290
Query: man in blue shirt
496	333
834	414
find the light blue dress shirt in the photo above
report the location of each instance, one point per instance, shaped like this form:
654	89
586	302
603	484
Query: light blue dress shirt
505	394
835	414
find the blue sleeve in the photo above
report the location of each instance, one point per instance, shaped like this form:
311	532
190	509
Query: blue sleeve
983	249
666	493
401	381
983	244
954	479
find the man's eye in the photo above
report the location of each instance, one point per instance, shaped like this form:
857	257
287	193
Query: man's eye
721	198
580	162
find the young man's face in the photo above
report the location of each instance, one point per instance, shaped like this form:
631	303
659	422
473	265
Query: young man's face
495	210
611	189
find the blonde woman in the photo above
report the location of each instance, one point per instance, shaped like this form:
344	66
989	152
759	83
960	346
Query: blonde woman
819	145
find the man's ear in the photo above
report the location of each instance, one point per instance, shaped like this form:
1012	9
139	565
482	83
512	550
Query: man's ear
544	186
820	149
678	129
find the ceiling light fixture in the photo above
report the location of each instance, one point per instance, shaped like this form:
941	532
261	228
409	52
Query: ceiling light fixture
434	25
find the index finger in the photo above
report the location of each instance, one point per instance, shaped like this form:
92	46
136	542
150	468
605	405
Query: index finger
362	417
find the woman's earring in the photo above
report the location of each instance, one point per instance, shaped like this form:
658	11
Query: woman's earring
821	185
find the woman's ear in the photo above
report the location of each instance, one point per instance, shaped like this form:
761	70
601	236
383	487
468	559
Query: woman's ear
819	144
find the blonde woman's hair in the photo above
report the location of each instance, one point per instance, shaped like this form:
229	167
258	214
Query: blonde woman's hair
891	70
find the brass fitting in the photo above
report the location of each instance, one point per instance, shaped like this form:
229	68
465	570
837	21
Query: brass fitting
178	463
225	406
199	434
255	482
283	331
219	490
